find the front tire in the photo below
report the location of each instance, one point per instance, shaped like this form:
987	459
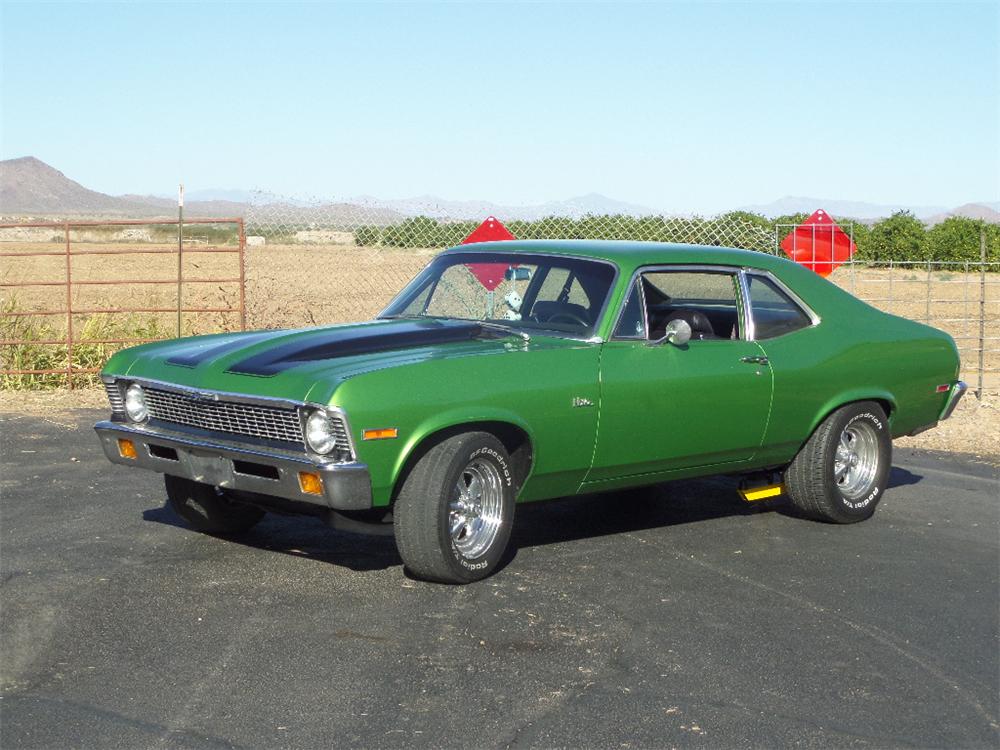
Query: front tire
841	472
454	512
208	509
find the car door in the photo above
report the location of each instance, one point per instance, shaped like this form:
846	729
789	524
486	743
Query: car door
665	407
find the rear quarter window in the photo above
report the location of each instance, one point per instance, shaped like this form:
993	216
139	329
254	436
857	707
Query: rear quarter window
774	312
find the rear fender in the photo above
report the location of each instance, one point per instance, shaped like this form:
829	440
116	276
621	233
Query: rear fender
852	396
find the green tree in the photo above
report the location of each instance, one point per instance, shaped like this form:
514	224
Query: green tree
901	237
956	239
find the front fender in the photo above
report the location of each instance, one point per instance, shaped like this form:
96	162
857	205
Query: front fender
456	417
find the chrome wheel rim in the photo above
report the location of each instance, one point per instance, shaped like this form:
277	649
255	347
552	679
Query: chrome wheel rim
474	513
856	460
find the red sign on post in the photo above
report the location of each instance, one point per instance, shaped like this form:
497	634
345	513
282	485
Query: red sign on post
819	244
490	275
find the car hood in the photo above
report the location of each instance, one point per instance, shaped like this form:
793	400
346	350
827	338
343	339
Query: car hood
306	364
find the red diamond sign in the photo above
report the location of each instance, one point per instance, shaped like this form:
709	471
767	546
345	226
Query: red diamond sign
819	244
489	274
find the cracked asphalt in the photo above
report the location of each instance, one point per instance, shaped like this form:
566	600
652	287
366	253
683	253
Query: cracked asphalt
669	617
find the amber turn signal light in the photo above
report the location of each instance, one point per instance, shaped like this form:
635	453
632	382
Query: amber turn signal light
126	448
311	484
383	433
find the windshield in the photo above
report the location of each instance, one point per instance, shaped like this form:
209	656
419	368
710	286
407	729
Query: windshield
524	292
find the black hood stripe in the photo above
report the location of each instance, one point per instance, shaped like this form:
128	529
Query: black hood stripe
333	343
196	357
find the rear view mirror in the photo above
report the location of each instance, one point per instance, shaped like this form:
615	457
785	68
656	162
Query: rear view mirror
517	273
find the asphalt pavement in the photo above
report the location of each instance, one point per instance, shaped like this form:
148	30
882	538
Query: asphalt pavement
669	617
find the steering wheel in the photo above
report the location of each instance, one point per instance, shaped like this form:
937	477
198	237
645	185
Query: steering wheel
571	317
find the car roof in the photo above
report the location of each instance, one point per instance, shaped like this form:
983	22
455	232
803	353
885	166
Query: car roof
630	254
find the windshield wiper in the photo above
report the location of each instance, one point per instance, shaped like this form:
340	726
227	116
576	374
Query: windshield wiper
509	330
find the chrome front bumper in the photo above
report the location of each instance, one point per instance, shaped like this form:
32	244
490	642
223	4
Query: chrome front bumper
346	486
957	391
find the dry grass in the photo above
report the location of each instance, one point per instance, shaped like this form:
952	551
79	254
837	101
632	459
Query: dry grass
295	285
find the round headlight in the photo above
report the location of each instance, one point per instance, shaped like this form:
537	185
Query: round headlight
319	433
135	403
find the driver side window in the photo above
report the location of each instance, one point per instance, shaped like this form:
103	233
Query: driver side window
705	300
562	298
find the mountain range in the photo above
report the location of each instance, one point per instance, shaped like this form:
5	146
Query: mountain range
30	187
871	211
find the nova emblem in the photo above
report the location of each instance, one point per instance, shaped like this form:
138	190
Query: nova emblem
202	397
578	402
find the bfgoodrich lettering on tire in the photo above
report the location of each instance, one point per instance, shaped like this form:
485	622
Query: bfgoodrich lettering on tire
454	512
841	472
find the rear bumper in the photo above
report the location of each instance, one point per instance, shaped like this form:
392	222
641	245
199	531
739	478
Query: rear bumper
957	391
345	486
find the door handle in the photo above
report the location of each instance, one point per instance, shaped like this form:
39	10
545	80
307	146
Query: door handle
754	360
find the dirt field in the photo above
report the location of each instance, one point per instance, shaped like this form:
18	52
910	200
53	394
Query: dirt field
295	285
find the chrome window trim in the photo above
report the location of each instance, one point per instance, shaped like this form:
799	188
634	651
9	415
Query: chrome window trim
732	270
644	336
595	336
300	407
814	318
749	329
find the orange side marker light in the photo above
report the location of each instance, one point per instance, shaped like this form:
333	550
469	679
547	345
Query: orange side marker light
383	433
126	448
310	483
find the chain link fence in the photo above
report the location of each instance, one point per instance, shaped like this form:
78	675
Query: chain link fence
370	249
363	251
280	219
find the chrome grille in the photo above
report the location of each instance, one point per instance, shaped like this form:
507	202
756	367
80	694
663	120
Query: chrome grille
269	422
115	398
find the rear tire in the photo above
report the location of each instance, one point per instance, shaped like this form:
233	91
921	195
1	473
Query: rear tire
454	512
841	472
209	509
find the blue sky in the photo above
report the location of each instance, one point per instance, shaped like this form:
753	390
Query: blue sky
683	107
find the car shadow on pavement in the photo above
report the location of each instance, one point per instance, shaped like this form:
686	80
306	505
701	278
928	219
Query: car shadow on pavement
608	513
902	477
536	524
303	536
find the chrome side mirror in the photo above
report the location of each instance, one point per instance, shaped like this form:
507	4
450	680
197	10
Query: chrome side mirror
677	332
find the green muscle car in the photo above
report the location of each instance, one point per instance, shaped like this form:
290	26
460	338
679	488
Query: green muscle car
509	372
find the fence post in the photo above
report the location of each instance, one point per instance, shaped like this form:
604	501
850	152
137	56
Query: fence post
982	311
69	311
180	252
243	300
927	307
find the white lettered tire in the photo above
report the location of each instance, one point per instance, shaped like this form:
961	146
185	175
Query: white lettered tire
841	473
453	515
